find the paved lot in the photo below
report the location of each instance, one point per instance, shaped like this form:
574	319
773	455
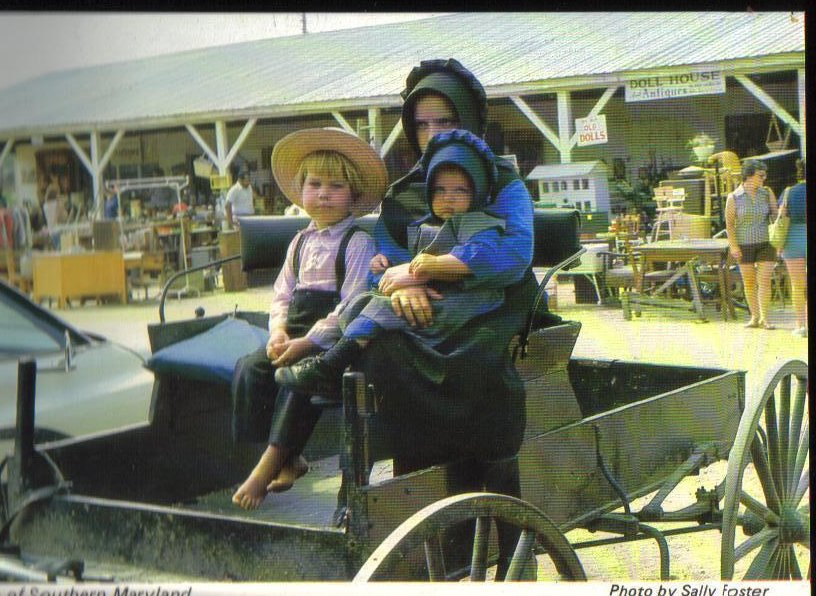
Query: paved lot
659	336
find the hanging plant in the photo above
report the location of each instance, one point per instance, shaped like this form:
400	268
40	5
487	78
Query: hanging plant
702	145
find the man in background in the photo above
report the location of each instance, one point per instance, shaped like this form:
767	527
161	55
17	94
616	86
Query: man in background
240	196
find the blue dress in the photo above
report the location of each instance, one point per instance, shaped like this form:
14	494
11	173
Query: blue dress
796	242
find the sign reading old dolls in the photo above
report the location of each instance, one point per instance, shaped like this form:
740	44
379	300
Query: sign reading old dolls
591	130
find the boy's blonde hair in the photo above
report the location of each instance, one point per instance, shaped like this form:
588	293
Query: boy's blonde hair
332	164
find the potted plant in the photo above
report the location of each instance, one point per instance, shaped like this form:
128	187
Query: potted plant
702	145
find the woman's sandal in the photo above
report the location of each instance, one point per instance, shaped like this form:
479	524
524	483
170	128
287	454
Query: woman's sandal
766	325
751	324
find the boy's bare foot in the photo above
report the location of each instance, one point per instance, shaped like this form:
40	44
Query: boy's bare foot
252	492
291	471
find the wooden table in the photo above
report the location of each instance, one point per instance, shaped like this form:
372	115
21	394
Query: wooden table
80	275
687	254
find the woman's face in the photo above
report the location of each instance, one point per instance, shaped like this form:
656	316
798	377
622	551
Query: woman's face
433	114
757	179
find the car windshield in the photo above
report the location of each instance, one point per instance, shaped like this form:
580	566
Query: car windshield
20	336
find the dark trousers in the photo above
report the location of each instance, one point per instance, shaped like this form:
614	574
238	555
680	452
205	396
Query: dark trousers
253	397
293	421
262	411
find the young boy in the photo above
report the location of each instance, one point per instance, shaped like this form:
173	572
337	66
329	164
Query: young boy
334	176
460	174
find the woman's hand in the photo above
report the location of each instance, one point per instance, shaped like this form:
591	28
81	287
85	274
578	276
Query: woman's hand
423	264
736	253
294	350
398	278
414	304
378	263
276	343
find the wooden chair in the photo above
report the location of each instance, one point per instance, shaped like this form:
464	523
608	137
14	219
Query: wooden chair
618	268
624	276
669	203
720	180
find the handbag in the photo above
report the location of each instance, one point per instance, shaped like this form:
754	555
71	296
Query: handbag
778	230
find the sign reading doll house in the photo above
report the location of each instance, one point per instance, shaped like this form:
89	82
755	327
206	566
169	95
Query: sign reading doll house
667	86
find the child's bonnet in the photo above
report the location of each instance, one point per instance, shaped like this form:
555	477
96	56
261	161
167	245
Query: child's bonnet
464	150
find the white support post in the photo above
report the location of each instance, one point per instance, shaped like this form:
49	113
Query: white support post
221	147
537	122
6	150
93	163
96	182
801	82
391	138
83	157
103	163
610	91
375	128
564	125
343	122
771	104
223	154
250	124
201	143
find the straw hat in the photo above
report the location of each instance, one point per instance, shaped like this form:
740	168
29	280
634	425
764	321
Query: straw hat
291	149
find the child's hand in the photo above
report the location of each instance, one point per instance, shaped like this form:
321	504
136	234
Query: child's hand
294	350
379	263
422	265
276	344
398	277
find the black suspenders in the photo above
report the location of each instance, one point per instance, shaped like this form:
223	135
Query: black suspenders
339	261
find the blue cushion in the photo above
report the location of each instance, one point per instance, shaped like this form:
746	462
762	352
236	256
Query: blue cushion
210	356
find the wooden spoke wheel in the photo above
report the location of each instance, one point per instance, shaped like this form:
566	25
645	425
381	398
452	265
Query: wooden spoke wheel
422	531
773	436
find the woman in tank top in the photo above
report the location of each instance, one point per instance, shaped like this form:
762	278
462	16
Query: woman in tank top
748	210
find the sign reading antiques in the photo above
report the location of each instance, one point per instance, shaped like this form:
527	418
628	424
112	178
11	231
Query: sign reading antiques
591	130
695	82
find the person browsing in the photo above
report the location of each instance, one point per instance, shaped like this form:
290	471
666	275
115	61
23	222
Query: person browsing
794	252
747	212
240	195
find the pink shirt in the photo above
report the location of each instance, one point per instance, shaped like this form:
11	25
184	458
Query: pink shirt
317	257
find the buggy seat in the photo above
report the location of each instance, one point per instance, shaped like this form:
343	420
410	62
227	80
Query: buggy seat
206	349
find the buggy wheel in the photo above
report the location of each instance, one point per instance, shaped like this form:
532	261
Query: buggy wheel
773	435
538	536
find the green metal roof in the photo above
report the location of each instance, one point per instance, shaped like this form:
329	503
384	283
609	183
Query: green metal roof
358	68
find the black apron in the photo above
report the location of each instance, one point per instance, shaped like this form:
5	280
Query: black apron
253	383
463	399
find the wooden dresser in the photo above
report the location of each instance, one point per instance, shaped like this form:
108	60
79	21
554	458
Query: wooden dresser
67	276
